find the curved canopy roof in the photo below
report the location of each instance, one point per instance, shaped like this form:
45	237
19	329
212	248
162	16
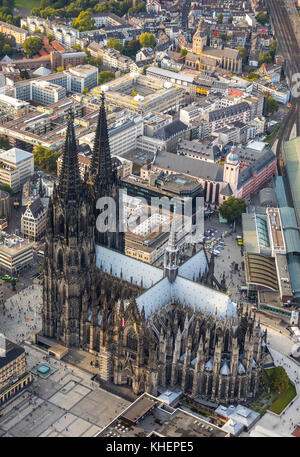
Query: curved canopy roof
261	270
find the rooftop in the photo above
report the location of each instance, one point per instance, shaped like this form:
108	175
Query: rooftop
15	155
159	419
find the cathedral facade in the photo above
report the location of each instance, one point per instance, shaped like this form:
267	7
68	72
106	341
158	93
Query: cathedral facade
150	328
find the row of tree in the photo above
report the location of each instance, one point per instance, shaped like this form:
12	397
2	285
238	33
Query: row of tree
67	9
130	48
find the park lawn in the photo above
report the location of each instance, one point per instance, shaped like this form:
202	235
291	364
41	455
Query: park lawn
283	400
27	4
271	400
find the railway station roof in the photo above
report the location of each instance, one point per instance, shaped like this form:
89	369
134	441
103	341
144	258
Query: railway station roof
292	158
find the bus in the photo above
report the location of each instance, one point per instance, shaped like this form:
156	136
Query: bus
41	253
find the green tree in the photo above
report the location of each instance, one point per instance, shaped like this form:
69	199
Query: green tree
7	189
271	106
262	18
131	48
183	51
77	47
35	12
264	58
232	208
50	37
7	49
113	43
32	45
45	158
230	19
96	61
105	77
279	380
48	13
147	40
84	21
243	53
58	69
220	18
4	143
273	47
85	91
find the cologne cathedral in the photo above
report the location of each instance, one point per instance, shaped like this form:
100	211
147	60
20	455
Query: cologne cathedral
150	328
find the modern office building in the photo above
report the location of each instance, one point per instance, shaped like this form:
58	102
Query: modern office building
11	108
143	94
46	93
16	166
15	253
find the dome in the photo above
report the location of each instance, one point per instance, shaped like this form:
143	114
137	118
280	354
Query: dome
232	157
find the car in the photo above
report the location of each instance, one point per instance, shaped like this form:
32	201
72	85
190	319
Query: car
220	247
217	253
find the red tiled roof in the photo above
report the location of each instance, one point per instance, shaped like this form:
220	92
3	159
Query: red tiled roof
57	46
43	53
296	432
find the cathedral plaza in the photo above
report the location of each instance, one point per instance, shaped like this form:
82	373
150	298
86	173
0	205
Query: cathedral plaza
66	404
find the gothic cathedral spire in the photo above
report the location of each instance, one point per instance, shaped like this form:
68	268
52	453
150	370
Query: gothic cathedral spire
69	182
102	172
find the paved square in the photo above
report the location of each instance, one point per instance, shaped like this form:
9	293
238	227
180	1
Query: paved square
100	407
68	403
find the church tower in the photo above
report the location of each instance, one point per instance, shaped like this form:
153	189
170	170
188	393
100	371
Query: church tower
104	182
172	253
231	170
69	252
200	38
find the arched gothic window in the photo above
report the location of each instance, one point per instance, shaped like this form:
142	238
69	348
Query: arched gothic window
60	262
131	341
99	318
61	224
89	316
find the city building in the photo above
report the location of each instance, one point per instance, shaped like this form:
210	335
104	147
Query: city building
11	108
53	87
33	220
16	167
46	93
13	369
149	416
143	94
15	253
17	33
